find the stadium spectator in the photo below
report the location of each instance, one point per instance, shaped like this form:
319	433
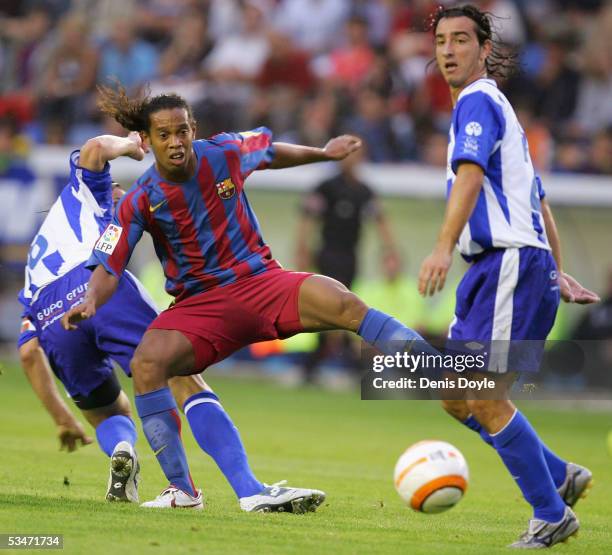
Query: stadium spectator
17	189
21	30
157	19
190	44
350	64
372	122
593	104
69	76
232	67
313	24
553	91
127	58
570	154
318	119
538	137
285	66
282	83
600	153
509	26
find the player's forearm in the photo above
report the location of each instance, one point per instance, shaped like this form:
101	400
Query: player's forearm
36	369
552	234
99	150
287	155
460	205
101	287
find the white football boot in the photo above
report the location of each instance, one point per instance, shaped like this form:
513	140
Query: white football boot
274	498
174	498
578	481
541	534
124	473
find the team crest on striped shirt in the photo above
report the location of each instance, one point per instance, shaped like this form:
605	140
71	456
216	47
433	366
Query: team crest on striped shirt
226	189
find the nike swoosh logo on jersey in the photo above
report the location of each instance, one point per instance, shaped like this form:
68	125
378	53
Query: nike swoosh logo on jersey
154	208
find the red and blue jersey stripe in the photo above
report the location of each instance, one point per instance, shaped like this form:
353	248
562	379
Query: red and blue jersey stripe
204	231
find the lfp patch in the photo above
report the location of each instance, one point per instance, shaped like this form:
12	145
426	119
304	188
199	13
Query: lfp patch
109	239
226	189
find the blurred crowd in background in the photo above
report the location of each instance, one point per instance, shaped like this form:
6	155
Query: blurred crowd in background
308	69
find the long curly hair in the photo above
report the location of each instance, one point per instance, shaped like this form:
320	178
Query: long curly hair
134	113
503	59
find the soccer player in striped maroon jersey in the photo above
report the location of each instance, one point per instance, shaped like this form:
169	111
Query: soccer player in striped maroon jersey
229	291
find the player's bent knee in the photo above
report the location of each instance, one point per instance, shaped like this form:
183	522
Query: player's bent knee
485	409
351	310
144	368
456	408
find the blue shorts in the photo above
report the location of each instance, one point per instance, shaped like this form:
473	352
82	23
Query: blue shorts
81	358
507	295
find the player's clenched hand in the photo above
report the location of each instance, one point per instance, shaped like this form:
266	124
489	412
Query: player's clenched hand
141	147
70	433
78	313
572	292
434	269
340	147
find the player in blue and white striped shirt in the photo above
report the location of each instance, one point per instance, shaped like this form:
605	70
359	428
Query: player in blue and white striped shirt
498	217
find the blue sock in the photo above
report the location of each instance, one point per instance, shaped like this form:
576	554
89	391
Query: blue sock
473	424
519	447
114	430
389	335
216	435
161	424
556	466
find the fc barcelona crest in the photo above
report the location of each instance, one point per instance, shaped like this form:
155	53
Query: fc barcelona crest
226	189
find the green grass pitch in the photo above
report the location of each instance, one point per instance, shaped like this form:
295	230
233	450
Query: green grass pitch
331	441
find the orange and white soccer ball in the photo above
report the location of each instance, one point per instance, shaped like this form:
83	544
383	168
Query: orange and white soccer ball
431	476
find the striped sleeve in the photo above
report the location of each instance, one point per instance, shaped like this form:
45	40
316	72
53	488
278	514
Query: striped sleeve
254	148
479	125
116	244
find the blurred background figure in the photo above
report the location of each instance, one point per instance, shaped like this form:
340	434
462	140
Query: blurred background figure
334	214
594	333
68	79
127	58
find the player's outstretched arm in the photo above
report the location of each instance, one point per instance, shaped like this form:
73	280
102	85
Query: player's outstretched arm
38	372
570	289
287	155
100	288
459	208
99	150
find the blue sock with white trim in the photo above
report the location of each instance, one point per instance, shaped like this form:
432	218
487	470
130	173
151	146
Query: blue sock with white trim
113	430
217	436
387	334
519	447
161	424
556	465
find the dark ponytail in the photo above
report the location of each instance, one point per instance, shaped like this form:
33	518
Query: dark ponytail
134	114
